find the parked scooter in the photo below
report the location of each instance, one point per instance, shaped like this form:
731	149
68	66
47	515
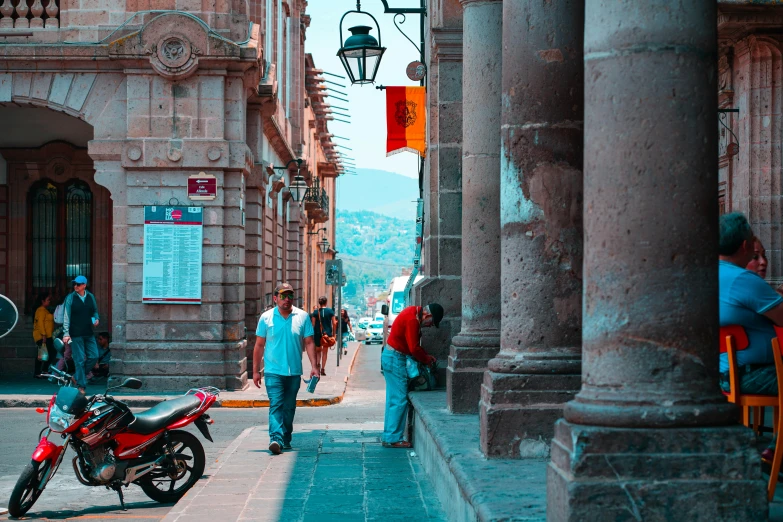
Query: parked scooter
114	447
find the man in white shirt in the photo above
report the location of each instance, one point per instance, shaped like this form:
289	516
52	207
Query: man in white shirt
280	335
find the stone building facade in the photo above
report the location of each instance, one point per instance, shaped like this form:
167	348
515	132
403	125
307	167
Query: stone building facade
109	107
576	142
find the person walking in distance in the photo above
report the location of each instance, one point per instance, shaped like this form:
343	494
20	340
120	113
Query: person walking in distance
404	341
323	316
79	318
280	335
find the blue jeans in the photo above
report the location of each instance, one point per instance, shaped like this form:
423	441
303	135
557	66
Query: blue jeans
84	351
396	413
759	381
282	390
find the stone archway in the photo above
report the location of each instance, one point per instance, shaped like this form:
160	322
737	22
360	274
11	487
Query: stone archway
51	118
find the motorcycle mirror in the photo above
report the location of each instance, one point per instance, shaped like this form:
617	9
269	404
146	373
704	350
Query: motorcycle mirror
133	384
385	310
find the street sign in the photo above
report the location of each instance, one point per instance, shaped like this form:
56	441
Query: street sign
371	301
8	315
334	272
202	187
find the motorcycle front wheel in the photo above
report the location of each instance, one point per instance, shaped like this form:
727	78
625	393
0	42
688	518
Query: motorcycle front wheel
170	485
26	491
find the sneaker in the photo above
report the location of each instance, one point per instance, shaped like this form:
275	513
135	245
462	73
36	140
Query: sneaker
768	454
286	445
400	444
274	447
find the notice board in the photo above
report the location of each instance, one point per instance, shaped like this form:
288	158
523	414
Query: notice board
172	255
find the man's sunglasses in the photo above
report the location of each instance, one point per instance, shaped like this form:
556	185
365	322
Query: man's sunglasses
286	296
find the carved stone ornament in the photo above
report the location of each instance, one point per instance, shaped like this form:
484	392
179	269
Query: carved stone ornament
134	153
174	154
214	153
174	57
58	168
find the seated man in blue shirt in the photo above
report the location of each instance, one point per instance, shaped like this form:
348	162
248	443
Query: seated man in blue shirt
747	300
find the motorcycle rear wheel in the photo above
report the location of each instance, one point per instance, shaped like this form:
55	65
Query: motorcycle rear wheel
26	491
167	487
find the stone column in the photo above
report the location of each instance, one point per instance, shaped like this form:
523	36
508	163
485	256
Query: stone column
649	435
479	338
537	369
442	243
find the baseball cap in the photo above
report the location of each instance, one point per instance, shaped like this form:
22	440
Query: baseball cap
437	313
283	287
79	280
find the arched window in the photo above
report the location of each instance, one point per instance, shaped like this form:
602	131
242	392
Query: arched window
43	240
78	230
59	235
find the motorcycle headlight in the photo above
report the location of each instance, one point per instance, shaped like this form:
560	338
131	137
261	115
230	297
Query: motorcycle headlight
59	420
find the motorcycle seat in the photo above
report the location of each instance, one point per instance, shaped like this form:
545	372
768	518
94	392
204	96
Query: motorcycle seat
161	415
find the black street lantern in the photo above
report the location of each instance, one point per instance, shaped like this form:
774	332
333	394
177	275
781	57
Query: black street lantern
323	244
361	53
298	188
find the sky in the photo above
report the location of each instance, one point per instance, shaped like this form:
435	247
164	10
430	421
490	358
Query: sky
367	106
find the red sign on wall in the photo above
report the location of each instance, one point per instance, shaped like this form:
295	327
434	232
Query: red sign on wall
203	186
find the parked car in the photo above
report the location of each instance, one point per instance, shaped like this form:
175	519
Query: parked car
374	333
363	322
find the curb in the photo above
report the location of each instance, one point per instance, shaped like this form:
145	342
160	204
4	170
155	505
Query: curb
202	483
42	401
312	403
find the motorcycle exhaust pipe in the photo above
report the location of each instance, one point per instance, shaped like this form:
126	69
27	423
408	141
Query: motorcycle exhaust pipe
79	474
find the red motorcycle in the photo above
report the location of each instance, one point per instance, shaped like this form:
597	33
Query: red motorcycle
116	448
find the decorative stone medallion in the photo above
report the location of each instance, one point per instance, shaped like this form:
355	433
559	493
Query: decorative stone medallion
174	57
174	154
214	153
134	153
174	52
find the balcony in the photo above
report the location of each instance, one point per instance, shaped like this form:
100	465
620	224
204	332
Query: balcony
317	204
24	14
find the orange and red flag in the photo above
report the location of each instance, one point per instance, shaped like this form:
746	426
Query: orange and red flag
406	120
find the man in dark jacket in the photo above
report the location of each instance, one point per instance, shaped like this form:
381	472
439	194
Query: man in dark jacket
79	318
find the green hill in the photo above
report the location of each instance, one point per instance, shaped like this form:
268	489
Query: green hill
374	249
378	191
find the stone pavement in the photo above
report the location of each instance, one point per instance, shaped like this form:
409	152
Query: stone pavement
29	392
336	472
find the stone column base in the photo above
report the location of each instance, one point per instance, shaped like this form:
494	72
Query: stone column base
468	359
707	474
518	412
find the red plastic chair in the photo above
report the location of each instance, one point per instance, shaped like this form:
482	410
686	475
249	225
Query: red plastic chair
733	339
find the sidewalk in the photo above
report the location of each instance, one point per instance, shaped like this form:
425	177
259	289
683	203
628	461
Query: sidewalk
33	393
335	471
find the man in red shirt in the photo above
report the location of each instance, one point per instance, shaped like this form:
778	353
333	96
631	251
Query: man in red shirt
403	342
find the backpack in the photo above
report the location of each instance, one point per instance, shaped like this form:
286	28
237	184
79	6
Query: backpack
59	312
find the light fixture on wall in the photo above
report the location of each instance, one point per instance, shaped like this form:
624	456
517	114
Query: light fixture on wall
298	188
323	245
